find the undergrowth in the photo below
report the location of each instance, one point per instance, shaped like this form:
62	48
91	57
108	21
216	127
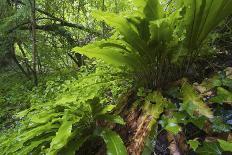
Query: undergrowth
68	118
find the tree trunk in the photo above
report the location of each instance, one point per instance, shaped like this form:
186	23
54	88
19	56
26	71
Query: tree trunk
29	69
103	23
14	58
34	50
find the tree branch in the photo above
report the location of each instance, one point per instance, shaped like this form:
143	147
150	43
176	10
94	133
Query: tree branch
63	22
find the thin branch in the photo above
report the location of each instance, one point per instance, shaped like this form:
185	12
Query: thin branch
63	22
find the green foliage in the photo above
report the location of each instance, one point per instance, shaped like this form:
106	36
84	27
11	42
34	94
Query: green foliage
14	97
193	104
219	125
153	43
202	17
223	96
210	148
226	146
114	143
154	107
70	117
194	144
171	125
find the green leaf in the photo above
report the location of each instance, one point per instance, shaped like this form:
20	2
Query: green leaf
193	104
226	146
153	10
43	117
170	124
209	148
30	134
202	16
74	145
199	121
62	137
194	144
111	118
219	126
227	82
149	9
112	56
154	110
114	143
160	31
106	109
121	24
34	144
223	96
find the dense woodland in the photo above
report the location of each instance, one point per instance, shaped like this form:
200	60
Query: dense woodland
115	77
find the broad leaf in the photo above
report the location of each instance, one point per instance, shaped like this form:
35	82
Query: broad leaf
111	118
194	144
209	148
226	146
114	143
223	96
126	28
170	124
193	104
61	138
202	16
111	55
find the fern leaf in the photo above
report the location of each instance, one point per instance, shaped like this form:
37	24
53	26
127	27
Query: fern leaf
114	143
61	138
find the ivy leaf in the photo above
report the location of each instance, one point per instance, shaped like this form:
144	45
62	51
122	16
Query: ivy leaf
209	148
219	126
194	144
193	104
227	82
223	96
173	127
213	82
170	124
226	146
114	143
199	122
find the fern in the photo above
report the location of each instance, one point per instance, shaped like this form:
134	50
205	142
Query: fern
68	120
155	44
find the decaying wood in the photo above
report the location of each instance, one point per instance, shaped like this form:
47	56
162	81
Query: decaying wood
173	147
136	129
177	143
140	129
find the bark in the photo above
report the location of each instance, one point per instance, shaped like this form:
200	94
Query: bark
103	23
177	143
57	28
29	69
14	58
72	57
139	123
54	18
136	130
34	50
173	144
